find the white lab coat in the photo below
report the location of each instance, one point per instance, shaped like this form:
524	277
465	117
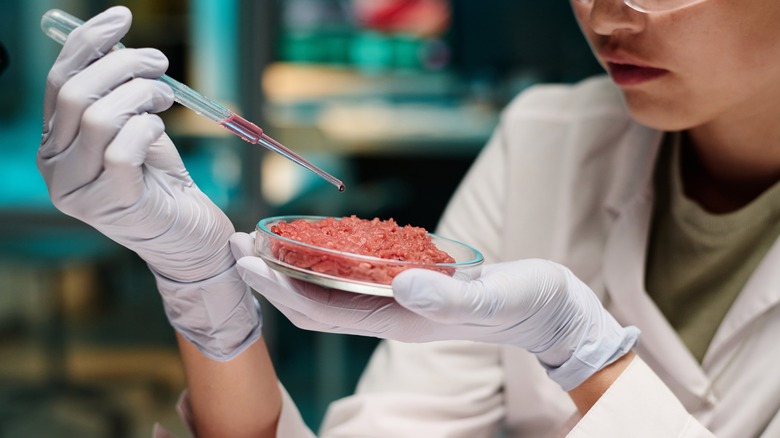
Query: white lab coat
568	176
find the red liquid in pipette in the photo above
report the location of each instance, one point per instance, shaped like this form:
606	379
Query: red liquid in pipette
252	133
243	128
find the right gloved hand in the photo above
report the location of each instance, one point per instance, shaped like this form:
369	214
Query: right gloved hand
107	162
533	304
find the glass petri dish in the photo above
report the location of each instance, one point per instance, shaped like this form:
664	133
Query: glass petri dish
352	272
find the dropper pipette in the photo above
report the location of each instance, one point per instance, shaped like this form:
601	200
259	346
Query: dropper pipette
57	25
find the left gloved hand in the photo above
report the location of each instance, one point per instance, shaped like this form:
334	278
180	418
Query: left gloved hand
106	161
534	304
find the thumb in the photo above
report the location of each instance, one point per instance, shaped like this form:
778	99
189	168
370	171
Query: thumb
438	297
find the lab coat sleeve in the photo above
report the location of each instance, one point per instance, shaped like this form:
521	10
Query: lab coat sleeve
291	424
639	402
475	214
439	390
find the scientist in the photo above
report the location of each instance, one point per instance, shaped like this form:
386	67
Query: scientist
646	200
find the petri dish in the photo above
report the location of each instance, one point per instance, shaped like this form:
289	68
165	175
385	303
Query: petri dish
352	272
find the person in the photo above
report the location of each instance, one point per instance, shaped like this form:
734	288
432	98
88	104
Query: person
643	201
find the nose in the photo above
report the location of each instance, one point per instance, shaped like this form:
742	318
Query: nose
608	17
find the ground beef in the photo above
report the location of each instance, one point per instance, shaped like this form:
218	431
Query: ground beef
377	238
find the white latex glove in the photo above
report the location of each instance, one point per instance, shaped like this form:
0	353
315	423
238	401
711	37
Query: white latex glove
534	304
107	162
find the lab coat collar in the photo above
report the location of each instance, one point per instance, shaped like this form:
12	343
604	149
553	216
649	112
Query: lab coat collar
760	293
631	202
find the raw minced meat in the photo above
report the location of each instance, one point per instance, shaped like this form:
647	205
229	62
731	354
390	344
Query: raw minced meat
383	239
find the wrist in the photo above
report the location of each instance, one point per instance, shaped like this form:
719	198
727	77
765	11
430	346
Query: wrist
590	391
596	351
218	315
588	338
188	236
191	268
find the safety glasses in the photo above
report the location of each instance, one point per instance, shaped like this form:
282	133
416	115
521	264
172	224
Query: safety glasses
651	6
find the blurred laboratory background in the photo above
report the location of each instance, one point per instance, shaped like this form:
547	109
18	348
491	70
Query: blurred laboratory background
394	97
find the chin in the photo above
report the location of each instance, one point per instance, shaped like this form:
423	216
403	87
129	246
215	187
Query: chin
663	117
660	122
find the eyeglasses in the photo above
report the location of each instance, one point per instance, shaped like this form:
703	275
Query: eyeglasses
651	6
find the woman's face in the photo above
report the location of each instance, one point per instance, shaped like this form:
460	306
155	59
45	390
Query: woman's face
686	68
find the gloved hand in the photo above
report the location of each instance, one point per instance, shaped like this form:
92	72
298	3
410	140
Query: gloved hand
107	162
534	304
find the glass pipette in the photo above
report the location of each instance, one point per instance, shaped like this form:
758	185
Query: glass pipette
57	25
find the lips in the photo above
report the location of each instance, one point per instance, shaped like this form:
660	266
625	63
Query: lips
625	68
632	74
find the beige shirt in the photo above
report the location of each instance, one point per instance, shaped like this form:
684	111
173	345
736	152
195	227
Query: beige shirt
698	261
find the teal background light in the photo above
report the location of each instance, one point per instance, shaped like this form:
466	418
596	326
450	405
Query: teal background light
214	35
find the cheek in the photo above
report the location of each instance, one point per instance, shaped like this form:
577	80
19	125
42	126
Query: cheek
733	45
733	68
754	52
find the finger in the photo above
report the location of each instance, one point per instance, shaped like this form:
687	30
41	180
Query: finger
505	293
163	155
85	160
125	156
444	299
86	43
307	322
115	185
389	321
432	295
79	95
271	283
302	321
365	313
242	245
103	121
